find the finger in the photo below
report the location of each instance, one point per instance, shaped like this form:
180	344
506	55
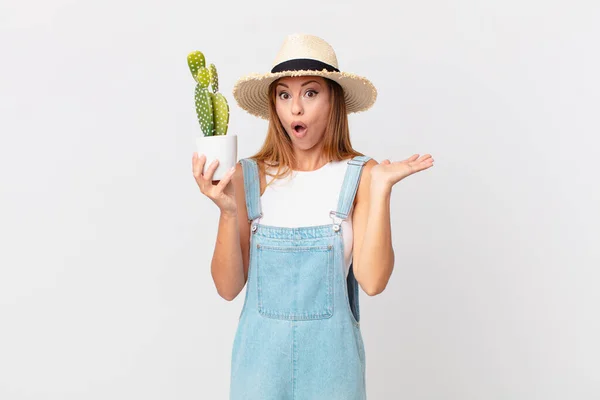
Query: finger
199	166
225	180
210	170
195	165
427	159
426	164
195	159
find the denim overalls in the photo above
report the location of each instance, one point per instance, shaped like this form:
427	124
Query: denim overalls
298	336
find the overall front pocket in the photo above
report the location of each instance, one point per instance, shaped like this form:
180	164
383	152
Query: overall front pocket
295	282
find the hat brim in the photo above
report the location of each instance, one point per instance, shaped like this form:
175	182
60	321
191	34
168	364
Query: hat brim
251	91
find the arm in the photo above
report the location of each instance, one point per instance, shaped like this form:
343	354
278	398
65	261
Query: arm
229	266
373	255
373	251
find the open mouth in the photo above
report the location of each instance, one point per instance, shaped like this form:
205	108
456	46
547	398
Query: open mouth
299	128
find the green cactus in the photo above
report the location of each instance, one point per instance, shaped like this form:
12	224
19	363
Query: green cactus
203	77
214	78
196	61
220	113
204	110
212	109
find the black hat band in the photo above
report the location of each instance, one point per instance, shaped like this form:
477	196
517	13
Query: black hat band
303	64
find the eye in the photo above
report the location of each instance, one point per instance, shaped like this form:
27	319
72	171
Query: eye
314	92
281	94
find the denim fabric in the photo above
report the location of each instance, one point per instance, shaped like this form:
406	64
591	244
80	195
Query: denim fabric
298	334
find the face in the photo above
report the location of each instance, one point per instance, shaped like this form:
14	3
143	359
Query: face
302	104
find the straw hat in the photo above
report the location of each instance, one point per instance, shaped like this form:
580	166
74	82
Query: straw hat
303	54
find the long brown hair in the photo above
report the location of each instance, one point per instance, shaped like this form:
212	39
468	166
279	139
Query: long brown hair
277	149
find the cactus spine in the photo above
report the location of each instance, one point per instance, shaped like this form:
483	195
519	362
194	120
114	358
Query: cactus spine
212	109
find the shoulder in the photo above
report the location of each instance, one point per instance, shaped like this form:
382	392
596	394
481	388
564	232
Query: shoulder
238	176
362	193
368	165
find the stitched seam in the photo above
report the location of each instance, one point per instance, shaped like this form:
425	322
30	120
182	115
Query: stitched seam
294	360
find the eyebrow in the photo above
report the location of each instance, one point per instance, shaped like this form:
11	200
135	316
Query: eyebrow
304	84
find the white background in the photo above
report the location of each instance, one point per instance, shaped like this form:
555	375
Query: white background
105	285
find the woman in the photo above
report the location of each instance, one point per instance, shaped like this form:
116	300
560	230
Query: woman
324	232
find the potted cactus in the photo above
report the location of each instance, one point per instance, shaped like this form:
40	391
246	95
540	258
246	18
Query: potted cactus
212	111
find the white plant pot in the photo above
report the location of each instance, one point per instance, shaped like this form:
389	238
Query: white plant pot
218	147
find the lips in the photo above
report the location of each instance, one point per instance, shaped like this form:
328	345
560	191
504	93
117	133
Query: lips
299	128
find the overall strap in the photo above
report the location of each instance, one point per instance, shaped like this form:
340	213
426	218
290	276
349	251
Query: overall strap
349	187
251	188
345	202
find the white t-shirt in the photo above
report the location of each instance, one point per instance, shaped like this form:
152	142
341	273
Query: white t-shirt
305	198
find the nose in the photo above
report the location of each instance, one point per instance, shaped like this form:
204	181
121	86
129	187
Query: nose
297	108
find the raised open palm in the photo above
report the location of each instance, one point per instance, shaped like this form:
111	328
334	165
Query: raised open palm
389	173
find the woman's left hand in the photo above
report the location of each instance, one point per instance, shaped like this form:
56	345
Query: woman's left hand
387	173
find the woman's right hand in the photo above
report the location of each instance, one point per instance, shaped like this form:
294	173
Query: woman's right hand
221	193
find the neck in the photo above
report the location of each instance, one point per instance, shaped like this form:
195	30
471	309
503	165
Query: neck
309	161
